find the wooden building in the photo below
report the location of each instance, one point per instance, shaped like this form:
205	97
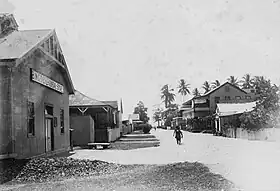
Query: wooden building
34	88
103	119
227	114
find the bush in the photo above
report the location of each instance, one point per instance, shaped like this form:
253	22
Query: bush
145	128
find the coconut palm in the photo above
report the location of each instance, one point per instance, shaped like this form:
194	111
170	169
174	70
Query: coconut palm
183	88
206	86
233	80
216	84
196	92
247	81
167	95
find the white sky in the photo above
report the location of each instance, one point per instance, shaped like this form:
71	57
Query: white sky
130	48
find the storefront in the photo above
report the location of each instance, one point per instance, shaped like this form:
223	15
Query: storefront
34	94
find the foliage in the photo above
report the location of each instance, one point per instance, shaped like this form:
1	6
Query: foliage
183	88
145	128
200	122
170	113
206	87
266	112
167	95
196	92
142	111
247	81
233	81
157	116
216	84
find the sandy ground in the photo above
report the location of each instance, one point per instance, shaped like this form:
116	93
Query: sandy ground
251	165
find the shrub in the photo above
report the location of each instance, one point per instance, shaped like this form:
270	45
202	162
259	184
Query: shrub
145	128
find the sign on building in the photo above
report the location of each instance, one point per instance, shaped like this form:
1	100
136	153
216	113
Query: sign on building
45	81
200	101
134	116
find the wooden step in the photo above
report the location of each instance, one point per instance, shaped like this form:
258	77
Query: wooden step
137	139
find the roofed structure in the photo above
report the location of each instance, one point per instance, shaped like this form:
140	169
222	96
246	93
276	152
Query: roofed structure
79	99
226	109
18	43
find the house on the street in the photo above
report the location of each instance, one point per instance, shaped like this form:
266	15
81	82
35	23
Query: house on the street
93	121
227	115
34	88
205	105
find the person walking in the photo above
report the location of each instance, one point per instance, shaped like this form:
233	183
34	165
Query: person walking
178	135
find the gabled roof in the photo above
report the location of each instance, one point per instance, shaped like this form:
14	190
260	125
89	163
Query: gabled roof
80	99
215	89
226	109
16	44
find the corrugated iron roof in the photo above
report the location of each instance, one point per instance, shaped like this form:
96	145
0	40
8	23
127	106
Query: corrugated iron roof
80	99
114	104
18	42
226	109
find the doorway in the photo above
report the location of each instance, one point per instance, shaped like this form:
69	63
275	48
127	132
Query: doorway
49	129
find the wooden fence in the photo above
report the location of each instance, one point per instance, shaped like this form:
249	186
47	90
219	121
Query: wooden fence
270	134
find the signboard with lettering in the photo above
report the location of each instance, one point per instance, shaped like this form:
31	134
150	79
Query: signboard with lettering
134	116
46	81
200	101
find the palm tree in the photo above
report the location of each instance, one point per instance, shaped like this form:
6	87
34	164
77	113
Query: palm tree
167	96
196	92
247	81
206	86
233	81
216	84
183	88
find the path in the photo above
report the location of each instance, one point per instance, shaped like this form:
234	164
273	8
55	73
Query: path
251	165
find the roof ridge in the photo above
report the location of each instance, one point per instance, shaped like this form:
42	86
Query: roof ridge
88	96
36	30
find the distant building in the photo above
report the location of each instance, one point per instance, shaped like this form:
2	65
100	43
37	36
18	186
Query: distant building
94	120
34	88
205	105
228	112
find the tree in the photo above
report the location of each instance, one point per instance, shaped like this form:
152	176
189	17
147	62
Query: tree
247	81
206	87
216	84
233	81
142	111
157	116
266	112
183	88
167	95
196	92
170	113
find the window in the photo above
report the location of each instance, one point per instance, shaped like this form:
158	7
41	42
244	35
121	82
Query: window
61	121
30	118
227	97
252	91
248	97
237	97
227	88
217	99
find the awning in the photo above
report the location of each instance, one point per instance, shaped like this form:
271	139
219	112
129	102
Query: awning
227	109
